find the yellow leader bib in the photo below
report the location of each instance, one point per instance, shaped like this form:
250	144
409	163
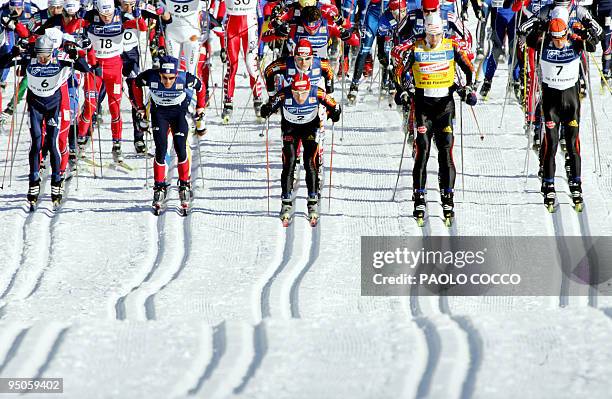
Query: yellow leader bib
434	68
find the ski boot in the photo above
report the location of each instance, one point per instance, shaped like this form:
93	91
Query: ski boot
518	92
33	193
447	207
82	142
117	154
368	67
160	192
548	191
485	88
352	95
200	124
257	103
140	146
72	159
185	195
568	168
57	192
313	209
419	207
563	144
226	114
286	212
575	187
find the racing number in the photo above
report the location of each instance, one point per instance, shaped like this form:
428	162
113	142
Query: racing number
127	35
559	69
106	43
183	7
44	84
242	2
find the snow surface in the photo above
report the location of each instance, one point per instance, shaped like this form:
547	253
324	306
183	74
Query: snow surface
227	303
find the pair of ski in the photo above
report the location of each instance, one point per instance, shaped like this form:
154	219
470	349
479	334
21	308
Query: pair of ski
551	206
160	206
449	218
286	216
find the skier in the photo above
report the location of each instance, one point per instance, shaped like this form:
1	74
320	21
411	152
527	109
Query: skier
302	62
603	14
434	107
378	25
105	27
241	33
412	26
48	102
300	121
560	67
182	30
171	92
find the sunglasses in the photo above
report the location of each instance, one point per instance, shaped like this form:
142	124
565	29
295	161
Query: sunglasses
429	11
168	78
300	92
303	59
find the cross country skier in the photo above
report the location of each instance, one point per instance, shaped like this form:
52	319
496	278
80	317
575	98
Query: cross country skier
603	13
378	25
171	92
105	27
131	55
413	26
560	67
300	121
48	102
302	62
241	33
434	107
182	30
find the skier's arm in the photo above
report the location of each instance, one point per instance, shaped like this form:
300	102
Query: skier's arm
332	107
592	27
328	74
79	64
137	83
277	67
462	59
275	102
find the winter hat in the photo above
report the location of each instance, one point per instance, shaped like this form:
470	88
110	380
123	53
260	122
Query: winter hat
303	48
301	82
168	64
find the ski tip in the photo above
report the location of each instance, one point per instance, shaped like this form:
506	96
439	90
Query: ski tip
550	208
448	222
579	207
314	222
420	221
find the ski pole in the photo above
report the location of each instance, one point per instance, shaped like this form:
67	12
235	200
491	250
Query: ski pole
9	147
511	70
331	163
477	124
597	156
240	122
399	170
17	143
200	166
462	158
268	161
603	79
341	63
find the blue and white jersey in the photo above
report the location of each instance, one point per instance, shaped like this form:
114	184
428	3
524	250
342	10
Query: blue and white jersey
387	25
179	94
184	8
560	67
314	74
318	40
534	6
107	39
301	113
44	80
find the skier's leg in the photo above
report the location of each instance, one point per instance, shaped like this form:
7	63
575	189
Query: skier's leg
571	128
113	81
311	150
550	140
289	155
370	28
63	121
191	50
249	49
131	69
180	130
444	139
234	25
53	141
36	120
91	87
422	143
160	137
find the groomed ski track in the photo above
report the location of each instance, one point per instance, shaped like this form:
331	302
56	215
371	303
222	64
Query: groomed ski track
227	303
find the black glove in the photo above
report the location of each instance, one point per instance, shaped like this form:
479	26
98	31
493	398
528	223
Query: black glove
276	11
161	52
401	97
334	114
223	55
8	22
16	51
266	110
282	30
85	42
479	14
97	70
141	119
345	34
468	95
464	14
